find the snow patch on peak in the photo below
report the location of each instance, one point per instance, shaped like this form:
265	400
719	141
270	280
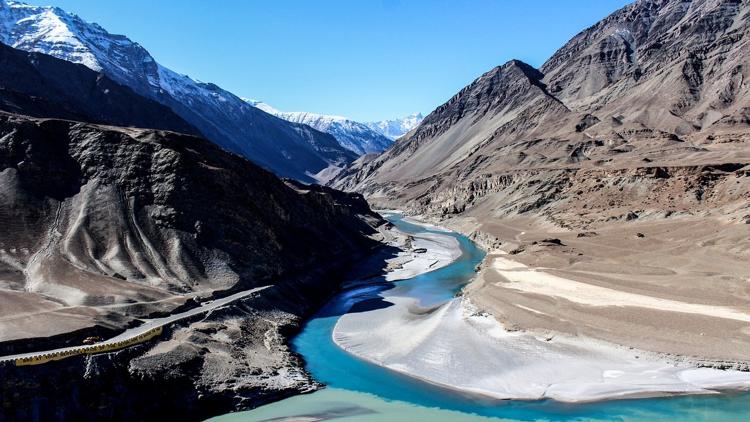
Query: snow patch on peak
47	30
52	31
396	128
352	135
263	106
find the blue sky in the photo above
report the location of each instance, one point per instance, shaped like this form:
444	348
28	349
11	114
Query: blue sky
366	59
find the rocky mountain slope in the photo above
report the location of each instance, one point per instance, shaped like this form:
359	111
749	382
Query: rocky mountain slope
656	84
288	149
354	136
100	219
600	167
396	128
103	226
39	85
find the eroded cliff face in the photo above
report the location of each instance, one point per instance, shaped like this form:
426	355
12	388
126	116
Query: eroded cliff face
657	87
102	225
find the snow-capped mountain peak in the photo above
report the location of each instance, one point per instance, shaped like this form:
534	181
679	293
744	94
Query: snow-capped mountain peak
396	128
263	106
46	29
51	30
296	114
352	135
288	149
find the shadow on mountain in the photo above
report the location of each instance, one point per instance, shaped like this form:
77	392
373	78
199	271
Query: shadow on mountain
362	293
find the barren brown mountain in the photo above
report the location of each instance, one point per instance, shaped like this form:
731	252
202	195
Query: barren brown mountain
617	172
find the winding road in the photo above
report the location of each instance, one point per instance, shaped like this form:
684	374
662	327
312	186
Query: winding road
149	329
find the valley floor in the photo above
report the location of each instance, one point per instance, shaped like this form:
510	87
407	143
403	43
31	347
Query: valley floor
549	342
678	286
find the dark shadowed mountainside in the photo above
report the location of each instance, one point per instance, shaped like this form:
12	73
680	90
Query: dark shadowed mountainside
96	215
101	227
39	85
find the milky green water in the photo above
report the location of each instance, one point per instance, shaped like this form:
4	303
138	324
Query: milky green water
361	391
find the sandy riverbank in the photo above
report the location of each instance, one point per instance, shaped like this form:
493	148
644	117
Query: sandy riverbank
455	345
418	254
677	287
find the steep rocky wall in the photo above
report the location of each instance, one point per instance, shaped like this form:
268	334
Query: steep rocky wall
580	198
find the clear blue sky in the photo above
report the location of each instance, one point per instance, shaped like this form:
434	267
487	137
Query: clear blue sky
366	59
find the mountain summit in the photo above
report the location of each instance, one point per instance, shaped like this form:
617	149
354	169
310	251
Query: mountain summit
396	128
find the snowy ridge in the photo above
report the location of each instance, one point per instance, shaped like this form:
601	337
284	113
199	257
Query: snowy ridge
45	30
288	149
51	30
354	136
396	128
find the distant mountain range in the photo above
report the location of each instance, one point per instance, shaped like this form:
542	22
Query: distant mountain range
362	138
396	128
354	136
286	148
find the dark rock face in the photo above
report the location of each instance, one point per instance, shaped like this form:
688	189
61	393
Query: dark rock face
100	215
104	225
39	85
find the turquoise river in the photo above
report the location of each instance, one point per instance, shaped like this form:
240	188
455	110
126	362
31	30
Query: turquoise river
361	391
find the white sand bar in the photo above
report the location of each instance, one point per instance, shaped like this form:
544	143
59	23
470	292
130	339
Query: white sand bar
454	346
441	251
529	280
